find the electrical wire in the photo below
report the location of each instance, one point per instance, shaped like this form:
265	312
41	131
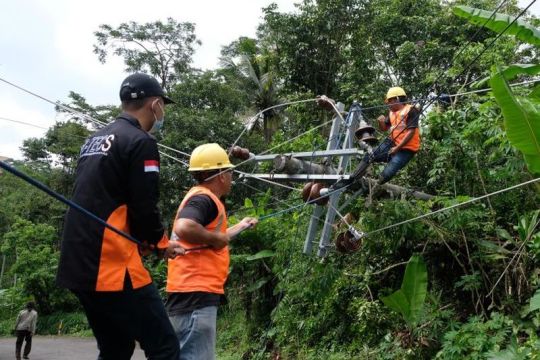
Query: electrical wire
452	206
261	112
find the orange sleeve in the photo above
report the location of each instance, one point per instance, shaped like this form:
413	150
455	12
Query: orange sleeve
163	243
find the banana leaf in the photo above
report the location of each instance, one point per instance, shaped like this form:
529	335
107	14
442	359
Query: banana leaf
261	255
509	72
520	29
521	120
409	300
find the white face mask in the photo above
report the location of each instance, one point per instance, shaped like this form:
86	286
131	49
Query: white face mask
158	124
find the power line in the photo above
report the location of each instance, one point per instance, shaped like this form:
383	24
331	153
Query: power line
443	73
101	123
264	110
483	50
23	123
453	206
454	95
432	100
248	175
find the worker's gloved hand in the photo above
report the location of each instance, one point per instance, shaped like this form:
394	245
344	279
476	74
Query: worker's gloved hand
173	250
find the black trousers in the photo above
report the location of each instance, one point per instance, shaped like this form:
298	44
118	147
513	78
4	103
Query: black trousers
118	319
23	335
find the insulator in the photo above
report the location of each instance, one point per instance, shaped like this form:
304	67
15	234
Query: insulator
316	194
347	243
240	153
306	191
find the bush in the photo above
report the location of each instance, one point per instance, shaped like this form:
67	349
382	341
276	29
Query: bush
476	338
64	324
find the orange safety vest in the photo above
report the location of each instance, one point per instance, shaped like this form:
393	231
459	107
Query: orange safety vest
200	270
398	120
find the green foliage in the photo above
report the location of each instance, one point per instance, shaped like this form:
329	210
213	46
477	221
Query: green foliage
522	115
522	121
164	49
283	304
36	261
409	300
261	255
529	350
61	323
535	302
476	338
499	23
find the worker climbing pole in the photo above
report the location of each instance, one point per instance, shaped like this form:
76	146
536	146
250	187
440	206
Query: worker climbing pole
399	147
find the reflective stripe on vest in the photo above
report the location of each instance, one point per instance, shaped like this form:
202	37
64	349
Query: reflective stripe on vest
200	270
398	120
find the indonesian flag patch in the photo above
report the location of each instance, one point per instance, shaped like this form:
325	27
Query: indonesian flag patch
151	166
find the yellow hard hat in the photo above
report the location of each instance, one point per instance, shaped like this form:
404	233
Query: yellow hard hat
209	157
395	92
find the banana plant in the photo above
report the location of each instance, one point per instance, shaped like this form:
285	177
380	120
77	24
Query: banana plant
521	113
499	22
409	299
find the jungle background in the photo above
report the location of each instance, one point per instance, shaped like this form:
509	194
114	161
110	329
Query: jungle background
478	264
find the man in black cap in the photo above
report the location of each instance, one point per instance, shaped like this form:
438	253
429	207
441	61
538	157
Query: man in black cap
117	179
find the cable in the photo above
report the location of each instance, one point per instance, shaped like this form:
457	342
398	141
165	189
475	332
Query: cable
453	206
24	123
277	213
173	149
275	147
91	119
174	158
66	201
443	73
84	116
267	181
261	112
450	95
483	51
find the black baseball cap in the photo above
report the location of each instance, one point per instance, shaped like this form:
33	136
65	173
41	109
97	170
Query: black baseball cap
140	86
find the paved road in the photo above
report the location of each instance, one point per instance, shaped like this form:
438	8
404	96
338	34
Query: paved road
58	348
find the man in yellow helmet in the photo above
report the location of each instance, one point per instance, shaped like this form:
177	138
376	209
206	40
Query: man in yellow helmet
402	143
404	139
195	282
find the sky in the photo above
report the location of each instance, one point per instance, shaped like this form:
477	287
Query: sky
47	48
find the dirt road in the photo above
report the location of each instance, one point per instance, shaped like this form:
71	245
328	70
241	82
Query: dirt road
58	348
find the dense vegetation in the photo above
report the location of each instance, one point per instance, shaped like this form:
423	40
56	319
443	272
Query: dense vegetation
476	267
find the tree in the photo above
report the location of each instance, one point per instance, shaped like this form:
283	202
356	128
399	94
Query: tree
164	49
36	260
243	60
84	111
